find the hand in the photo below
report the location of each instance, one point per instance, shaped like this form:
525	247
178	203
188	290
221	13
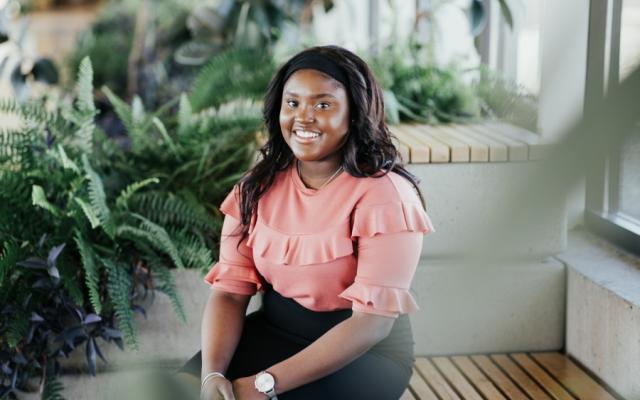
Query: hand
245	389
218	388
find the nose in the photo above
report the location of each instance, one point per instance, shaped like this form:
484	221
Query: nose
304	114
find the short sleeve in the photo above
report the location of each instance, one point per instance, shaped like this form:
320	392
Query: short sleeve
235	271
389	237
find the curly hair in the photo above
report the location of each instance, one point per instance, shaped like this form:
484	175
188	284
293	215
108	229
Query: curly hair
367	150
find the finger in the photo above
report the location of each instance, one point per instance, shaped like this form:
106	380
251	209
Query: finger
227	392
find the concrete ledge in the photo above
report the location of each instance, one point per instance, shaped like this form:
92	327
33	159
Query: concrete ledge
464	201
603	311
473	308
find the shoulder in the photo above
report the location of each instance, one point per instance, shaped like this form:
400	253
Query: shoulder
387	188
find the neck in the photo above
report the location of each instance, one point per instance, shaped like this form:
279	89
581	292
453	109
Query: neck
322	173
318	170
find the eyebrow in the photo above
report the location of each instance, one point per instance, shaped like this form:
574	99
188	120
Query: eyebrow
315	96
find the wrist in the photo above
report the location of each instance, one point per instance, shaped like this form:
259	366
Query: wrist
265	383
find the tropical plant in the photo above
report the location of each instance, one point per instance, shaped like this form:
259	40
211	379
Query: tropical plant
415	89
76	255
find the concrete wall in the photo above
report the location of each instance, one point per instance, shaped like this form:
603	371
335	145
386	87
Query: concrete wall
603	311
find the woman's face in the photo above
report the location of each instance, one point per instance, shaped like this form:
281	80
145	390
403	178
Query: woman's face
314	116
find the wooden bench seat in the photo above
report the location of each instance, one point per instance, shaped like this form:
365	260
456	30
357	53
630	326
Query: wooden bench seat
483	142
545	375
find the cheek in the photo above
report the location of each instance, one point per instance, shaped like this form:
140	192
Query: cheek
285	121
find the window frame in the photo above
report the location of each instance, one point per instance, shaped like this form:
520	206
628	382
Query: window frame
602	214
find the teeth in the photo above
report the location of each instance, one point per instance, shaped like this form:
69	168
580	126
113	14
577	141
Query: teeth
306	134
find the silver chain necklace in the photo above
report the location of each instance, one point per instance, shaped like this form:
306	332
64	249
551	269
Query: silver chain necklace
325	182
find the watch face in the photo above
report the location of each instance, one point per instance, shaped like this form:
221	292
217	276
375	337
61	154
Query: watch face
265	382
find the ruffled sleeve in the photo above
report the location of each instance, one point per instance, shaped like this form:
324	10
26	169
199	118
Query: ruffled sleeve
389	237
235	271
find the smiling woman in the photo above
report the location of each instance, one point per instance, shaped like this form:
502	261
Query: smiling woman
329	226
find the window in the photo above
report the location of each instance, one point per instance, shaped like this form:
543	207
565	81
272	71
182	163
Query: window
613	187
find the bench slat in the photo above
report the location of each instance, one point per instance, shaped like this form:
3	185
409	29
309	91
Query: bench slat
518	150
499	378
498	151
541	376
477	378
456	378
571	376
420	388
419	152
440	152
537	149
520	377
460	151
435	379
479	150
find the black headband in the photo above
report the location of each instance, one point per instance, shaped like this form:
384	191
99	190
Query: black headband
321	63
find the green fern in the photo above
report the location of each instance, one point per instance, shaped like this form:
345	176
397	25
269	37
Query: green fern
119	286
39	199
155	234
98	198
168	209
17	328
122	202
193	249
53	388
231	75
167	284
91	271
8	259
85	109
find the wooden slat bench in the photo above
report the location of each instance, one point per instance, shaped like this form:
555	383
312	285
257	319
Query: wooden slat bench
544	376
482	142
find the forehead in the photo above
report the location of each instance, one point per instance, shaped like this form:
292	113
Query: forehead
305	82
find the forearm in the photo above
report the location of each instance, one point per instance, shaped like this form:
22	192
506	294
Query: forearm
335	349
222	324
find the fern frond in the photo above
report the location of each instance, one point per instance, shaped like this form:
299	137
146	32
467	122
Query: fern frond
169	209
8	259
167	284
17	328
38	198
193	250
230	75
122	109
66	162
98	198
91	271
84	88
119	286
156	235
123	199
53	388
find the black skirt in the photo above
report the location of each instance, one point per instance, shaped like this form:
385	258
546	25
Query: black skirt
283	327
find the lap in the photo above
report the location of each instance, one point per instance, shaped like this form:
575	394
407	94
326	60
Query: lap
371	376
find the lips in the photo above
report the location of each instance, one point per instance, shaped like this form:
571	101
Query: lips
303	136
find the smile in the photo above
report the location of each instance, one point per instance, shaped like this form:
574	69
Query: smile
306	136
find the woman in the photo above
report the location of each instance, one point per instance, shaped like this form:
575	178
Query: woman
329	227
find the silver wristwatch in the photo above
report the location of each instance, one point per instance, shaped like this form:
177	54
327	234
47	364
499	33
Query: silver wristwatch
266	383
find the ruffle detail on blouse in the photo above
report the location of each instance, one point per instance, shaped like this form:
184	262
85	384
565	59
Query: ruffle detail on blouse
390	218
304	249
229	205
387	300
222	271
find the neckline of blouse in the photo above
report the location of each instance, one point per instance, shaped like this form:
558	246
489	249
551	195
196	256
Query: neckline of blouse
310	191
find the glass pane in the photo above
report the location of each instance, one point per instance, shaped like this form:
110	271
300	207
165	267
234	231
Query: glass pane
528	69
630	176
629	37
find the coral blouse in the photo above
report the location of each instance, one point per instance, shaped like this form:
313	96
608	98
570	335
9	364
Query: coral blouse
355	243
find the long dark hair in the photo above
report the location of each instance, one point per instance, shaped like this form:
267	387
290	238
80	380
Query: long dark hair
368	148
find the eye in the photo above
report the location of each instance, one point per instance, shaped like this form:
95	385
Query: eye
324	105
289	103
